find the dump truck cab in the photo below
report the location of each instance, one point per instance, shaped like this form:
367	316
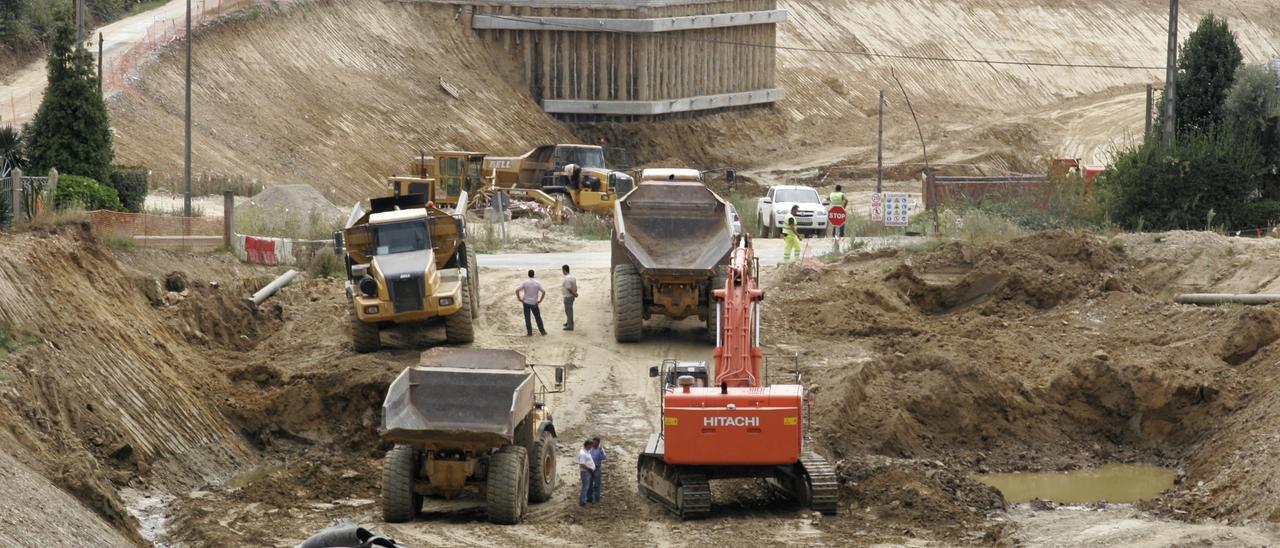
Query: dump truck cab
407	263
577	173
443	175
466	416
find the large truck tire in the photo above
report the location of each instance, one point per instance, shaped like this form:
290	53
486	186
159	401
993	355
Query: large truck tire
399	473
628	303
365	337
473	277
542	468
507	490
458	327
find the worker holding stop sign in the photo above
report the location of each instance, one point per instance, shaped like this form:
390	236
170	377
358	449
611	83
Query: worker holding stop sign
836	213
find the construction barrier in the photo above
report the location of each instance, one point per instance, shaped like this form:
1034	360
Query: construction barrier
163	231
278	251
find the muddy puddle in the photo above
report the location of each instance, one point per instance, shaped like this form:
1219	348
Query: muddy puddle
1116	483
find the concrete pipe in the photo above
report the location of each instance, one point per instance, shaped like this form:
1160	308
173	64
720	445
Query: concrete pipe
271	288
1223	298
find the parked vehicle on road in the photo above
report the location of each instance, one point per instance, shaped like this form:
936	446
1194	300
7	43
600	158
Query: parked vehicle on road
773	208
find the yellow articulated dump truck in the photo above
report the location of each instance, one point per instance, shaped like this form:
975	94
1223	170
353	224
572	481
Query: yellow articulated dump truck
671	240
469	418
577	174
408	264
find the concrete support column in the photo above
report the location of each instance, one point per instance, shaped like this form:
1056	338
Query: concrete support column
15	195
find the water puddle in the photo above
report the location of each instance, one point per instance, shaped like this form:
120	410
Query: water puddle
1117	483
150	509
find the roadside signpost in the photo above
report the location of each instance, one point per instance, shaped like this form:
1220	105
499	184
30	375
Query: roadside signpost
897	209
877	207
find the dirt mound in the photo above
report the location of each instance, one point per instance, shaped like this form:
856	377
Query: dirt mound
303	199
1040	271
365	99
917	493
1045	352
102	389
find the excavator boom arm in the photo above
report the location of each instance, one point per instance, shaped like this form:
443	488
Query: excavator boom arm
738	357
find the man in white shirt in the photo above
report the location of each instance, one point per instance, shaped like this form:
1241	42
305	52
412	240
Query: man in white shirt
569	285
586	469
530	294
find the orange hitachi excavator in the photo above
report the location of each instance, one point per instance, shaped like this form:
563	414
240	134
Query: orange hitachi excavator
740	426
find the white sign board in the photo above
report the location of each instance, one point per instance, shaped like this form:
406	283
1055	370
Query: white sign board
877	207
897	209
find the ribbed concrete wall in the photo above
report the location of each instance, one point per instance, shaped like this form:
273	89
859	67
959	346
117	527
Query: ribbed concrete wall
604	58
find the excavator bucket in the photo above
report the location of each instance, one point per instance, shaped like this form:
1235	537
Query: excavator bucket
672	228
459	395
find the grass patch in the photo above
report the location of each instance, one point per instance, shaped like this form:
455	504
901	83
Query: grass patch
118	242
747	214
205	184
197	210
286	223
587	226
486	238
852	247
146	6
326	265
74	213
9	342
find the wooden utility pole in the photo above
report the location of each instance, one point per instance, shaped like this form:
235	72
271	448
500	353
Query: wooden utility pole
1171	78
880	148
186	167
99	64
1150	108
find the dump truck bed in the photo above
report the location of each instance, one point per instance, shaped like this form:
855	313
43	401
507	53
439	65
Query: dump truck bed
672	228
464	398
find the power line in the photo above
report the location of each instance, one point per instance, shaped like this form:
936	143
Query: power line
896	56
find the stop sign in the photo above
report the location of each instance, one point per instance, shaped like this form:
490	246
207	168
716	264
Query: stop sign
836	215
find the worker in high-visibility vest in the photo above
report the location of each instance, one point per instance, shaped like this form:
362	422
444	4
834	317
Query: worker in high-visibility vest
791	234
837	199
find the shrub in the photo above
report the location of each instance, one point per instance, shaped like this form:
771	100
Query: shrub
86	192
590	227
1259	214
326	265
1215	170
6	213
130	184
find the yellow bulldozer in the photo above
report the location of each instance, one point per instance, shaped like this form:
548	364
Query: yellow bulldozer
408	263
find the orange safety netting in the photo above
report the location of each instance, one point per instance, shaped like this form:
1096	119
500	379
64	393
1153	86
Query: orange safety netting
141	226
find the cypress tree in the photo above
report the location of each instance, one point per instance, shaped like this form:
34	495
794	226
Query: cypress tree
71	130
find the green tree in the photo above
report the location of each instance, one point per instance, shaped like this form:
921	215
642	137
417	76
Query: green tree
71	131
1206	69
1253	108
1216	169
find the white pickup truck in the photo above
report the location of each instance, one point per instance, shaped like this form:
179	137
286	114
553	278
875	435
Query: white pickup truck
772	210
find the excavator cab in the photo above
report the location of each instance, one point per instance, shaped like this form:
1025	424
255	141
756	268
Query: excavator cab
672	370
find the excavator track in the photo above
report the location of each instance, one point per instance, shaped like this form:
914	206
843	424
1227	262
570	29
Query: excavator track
824	494
685	493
